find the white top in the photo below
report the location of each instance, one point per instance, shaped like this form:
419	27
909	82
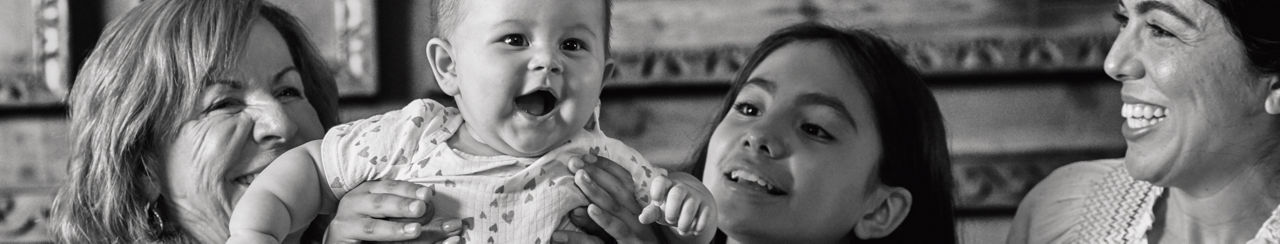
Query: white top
501	199
1098	202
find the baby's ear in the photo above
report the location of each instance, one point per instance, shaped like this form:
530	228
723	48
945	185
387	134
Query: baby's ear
442	65
893	204
608	70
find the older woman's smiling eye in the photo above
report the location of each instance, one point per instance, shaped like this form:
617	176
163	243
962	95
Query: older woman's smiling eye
817	131
224	104
573	44
515	40
746	109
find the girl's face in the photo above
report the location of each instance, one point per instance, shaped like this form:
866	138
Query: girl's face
245	118
797	153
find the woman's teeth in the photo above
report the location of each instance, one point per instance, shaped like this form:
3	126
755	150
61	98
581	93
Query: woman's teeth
1142	115
742	176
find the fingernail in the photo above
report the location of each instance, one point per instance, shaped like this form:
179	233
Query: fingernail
452	240
423	193
451	225
415	208
559	238
575	164
411	228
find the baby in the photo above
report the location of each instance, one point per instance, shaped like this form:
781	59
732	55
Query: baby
526	75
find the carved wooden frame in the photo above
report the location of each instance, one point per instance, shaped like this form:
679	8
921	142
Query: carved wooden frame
357	73
51	80
718	65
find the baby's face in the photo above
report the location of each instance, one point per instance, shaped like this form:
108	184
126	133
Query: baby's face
529	72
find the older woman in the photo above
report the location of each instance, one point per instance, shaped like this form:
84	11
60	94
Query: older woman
827	136
1201	98
180	104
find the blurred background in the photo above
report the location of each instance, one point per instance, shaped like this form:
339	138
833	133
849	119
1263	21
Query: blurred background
1019	82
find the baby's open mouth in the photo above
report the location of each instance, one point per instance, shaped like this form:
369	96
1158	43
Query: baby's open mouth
537	103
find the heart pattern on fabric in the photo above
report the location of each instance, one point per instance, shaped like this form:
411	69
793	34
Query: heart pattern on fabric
508	216
417	121
531	184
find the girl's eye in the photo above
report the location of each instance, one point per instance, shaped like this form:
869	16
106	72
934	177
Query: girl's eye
573	44
515	40
1156	31
746	109
815	130
288	92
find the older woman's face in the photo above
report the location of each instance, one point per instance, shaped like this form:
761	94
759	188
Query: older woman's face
797	152
1193	106
245	118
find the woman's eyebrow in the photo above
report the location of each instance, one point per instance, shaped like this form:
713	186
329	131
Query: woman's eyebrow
829	101
280	74
234	84
1146	6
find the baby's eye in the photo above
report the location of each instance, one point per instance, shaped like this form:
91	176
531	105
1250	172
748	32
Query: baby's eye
573	44
816	131
516	40
746	109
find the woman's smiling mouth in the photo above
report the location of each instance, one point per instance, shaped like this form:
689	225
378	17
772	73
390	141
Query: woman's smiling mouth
1142	115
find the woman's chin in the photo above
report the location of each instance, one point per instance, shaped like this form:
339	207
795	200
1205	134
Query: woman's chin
1146	166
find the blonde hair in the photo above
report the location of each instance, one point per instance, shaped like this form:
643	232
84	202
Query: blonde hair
134	90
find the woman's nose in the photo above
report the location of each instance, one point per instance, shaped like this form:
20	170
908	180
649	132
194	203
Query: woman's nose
272	126
1122	64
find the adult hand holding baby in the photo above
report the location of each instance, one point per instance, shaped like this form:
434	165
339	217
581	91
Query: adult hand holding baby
613	209
390	210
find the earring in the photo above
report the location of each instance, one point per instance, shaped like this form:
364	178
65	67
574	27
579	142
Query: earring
154	220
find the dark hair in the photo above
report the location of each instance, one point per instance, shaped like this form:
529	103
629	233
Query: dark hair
915	153
1253	23
449	13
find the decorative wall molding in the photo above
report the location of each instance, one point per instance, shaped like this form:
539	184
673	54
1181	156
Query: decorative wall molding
49	81
999	181
24	215
356	58
718	65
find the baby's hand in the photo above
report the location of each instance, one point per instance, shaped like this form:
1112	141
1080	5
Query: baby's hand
681	202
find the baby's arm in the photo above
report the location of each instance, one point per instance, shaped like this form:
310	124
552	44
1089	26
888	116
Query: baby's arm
684	205
283	199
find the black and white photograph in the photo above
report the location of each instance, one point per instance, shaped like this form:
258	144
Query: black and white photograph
640	121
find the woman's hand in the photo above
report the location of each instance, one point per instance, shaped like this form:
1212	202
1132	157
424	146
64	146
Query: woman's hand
613	206
390	211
